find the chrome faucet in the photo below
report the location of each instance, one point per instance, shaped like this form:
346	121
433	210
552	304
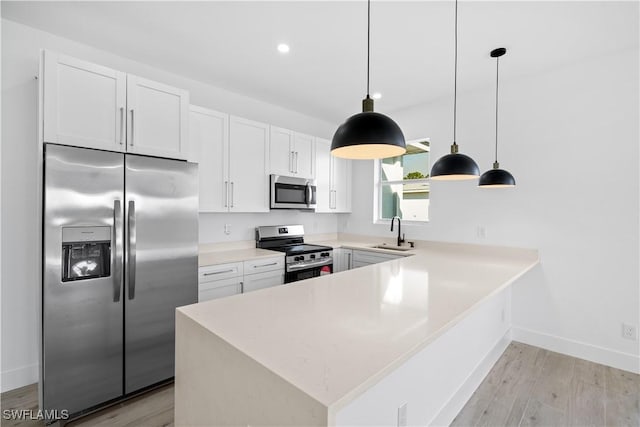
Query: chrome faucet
400	239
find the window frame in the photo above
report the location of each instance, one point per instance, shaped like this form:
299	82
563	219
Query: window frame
378	185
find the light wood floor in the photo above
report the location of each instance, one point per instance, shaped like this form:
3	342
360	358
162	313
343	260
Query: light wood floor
528	386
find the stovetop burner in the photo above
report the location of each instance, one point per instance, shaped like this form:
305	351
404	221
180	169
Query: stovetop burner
301	249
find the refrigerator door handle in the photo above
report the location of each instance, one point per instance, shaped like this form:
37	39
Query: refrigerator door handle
131	252
117	242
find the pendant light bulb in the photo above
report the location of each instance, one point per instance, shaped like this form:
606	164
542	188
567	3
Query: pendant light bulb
455	166
368	135
496	177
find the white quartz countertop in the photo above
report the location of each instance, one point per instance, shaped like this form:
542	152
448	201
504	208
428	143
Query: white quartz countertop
335	336
220	256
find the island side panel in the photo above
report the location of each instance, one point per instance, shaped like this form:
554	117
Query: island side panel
436	382
217	385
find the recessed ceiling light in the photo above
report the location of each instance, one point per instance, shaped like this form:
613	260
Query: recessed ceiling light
376	95
283	48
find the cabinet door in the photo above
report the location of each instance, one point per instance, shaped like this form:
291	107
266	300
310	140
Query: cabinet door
253	282
157	119
209	138
248	165
304	156
219	288
341	186
84	103
281	151
323	172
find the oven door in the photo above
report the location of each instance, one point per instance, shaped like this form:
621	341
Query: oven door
307	273
292	193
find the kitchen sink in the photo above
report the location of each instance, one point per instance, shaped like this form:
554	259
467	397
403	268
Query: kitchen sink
393	248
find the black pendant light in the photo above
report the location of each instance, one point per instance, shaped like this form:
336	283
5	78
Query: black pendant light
455	166
368	135
496	177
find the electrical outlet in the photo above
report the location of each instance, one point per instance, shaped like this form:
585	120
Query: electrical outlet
629	332
402	416
481	231
227	229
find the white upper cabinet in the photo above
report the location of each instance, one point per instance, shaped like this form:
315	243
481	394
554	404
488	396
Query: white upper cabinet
281	151
323	175
333	180
158	123
209	143
92	106
341	184
84	103
248	165
292	153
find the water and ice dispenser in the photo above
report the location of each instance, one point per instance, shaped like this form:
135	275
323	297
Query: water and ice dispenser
86	252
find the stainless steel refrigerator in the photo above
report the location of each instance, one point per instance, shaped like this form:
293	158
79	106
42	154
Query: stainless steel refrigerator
120	250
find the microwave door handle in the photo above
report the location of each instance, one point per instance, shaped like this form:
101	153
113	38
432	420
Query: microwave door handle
307	195
131	253
117	255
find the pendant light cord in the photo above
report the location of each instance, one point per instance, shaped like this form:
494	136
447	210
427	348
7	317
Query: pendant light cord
368	41
497	83
455	76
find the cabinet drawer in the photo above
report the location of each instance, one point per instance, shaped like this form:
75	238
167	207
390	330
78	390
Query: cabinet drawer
219	289
219	271
253	282
264	264
372	257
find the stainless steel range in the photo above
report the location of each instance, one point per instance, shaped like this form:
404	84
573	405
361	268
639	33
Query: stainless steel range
303	261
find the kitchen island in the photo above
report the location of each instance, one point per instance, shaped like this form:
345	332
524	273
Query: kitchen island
387	343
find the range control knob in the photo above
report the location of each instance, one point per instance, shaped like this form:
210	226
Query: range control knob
325	254
312	256
298	258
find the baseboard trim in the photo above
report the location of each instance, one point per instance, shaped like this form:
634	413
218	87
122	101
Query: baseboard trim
20	377
451	409
616	359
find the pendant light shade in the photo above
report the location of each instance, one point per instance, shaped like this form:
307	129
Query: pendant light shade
368	135
496	177
455	166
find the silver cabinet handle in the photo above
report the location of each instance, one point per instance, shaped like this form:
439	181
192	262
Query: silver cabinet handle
231	193
121	125
117	255
348	260
265	265
219	272
332	199
132	132
296	162
242	287
291	154
226	193
131	252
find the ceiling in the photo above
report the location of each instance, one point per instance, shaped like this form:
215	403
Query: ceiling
233	44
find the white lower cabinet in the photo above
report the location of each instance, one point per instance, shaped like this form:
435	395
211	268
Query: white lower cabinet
219	288
223	280
253	282
342	259
263	273
362	258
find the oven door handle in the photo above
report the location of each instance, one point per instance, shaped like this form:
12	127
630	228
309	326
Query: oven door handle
295	267
308	195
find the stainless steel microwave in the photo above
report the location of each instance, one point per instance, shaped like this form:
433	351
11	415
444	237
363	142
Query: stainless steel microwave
288	192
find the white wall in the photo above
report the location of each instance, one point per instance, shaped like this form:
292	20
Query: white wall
20	284
570	137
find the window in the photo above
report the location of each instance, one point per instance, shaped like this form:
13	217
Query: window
403	184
